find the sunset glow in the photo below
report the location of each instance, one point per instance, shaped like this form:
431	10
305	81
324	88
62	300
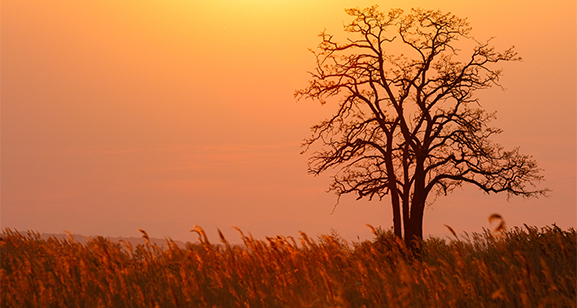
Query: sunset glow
162	115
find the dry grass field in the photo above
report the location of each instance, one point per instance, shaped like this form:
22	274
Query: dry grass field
522	267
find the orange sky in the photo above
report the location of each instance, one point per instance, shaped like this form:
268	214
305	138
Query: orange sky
160	115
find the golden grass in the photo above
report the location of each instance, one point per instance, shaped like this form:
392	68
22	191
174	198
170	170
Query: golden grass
522	268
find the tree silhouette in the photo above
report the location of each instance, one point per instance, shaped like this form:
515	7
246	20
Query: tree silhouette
408	126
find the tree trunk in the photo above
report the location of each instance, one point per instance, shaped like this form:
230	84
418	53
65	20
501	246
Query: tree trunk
414	229
397	226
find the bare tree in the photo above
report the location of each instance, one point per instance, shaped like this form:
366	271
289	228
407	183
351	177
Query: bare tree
408	126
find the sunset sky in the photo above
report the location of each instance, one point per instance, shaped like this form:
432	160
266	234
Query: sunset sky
162	115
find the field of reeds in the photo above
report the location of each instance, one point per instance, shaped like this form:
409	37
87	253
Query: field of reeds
522	267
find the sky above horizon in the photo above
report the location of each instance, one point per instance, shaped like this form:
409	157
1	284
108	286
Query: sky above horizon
162	115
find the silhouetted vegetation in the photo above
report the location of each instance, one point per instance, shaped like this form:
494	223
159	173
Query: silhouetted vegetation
409	125
516	268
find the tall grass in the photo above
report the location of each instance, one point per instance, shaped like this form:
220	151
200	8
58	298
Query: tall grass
527	267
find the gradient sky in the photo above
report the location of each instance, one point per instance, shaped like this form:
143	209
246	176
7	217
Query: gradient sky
162	115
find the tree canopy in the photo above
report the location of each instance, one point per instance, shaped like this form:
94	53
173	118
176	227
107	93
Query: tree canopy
408	123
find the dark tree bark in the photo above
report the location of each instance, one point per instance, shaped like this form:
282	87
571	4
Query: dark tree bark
408	126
